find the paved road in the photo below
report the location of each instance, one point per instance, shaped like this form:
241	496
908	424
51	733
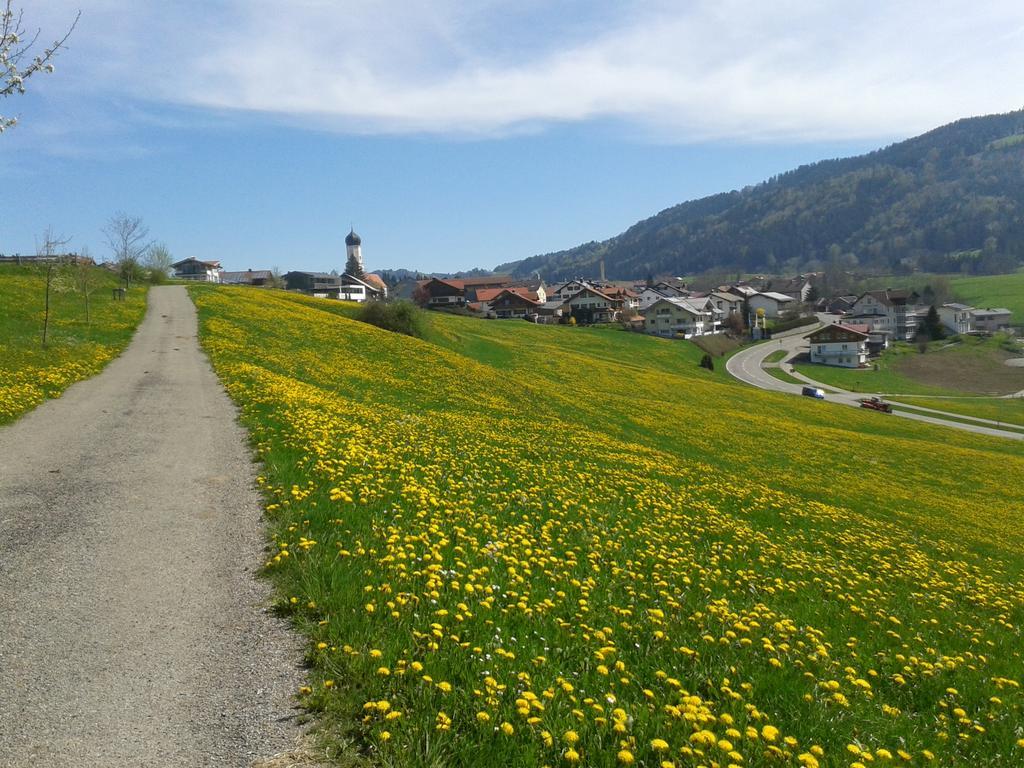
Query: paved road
132	630
747	366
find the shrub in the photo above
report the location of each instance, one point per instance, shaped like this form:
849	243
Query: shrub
399	316
707	362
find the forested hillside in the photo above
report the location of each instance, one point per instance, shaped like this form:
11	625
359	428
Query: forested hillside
951	200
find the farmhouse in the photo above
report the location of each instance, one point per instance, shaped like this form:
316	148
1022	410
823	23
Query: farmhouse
194	269
674	316
838	344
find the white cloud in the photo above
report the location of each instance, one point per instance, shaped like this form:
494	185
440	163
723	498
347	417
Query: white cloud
793	70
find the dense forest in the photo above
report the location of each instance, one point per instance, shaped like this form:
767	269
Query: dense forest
951	200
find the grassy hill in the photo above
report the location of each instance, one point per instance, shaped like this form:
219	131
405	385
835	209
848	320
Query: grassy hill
520	545
952	198
993	291
30	373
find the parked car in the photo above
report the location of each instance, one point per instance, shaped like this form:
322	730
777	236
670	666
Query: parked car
815	392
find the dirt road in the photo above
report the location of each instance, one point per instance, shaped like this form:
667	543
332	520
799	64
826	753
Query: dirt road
132	630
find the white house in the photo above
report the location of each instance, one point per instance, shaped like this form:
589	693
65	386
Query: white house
889	310
194	269
839	344
957	317
772	303
672	316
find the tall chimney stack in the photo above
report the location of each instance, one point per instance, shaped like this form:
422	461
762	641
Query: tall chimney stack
602	271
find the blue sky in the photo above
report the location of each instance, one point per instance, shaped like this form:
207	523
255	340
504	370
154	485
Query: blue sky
461	134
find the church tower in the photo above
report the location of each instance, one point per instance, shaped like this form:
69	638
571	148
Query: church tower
354	249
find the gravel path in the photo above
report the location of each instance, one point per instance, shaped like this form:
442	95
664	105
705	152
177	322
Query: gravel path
132	630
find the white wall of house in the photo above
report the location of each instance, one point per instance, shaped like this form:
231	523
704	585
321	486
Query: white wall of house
772	306
956	318
352	293
846	354
667	318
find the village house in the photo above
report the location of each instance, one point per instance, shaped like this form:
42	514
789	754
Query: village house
673	316
957	318
514	303
889	310
257	277
648	296
485	297
726	303
991	320
773	304
322	285
840	344
369	287
669	288
592	306
457	292
194	269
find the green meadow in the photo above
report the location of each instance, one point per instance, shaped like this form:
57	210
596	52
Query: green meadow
76	347
510	544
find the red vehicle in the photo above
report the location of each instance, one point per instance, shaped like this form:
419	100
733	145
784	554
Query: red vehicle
875	404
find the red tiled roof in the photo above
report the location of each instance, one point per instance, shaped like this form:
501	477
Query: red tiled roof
489	294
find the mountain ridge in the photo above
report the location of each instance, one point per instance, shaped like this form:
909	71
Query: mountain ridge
949	200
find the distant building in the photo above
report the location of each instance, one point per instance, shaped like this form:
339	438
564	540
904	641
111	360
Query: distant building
838	344
895	311
998	319
366	288
457	292
319	284
771	302
957	318
194	269
257	277
675	316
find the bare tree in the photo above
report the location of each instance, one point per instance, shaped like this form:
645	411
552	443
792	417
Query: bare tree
84	279
128	239
17	62
50	250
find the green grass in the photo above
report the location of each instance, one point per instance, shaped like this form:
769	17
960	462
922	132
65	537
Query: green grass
30	373
502	514
993	291
1007	411
777	356
970	365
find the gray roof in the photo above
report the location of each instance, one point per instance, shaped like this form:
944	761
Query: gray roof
990	311
958	307
775	295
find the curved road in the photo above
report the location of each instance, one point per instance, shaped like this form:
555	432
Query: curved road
747	366
133	631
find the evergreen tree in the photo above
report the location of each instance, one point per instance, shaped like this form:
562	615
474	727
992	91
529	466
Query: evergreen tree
354	268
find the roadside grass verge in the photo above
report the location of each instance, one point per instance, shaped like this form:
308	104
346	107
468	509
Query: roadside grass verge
31	373
510	544
1004	410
